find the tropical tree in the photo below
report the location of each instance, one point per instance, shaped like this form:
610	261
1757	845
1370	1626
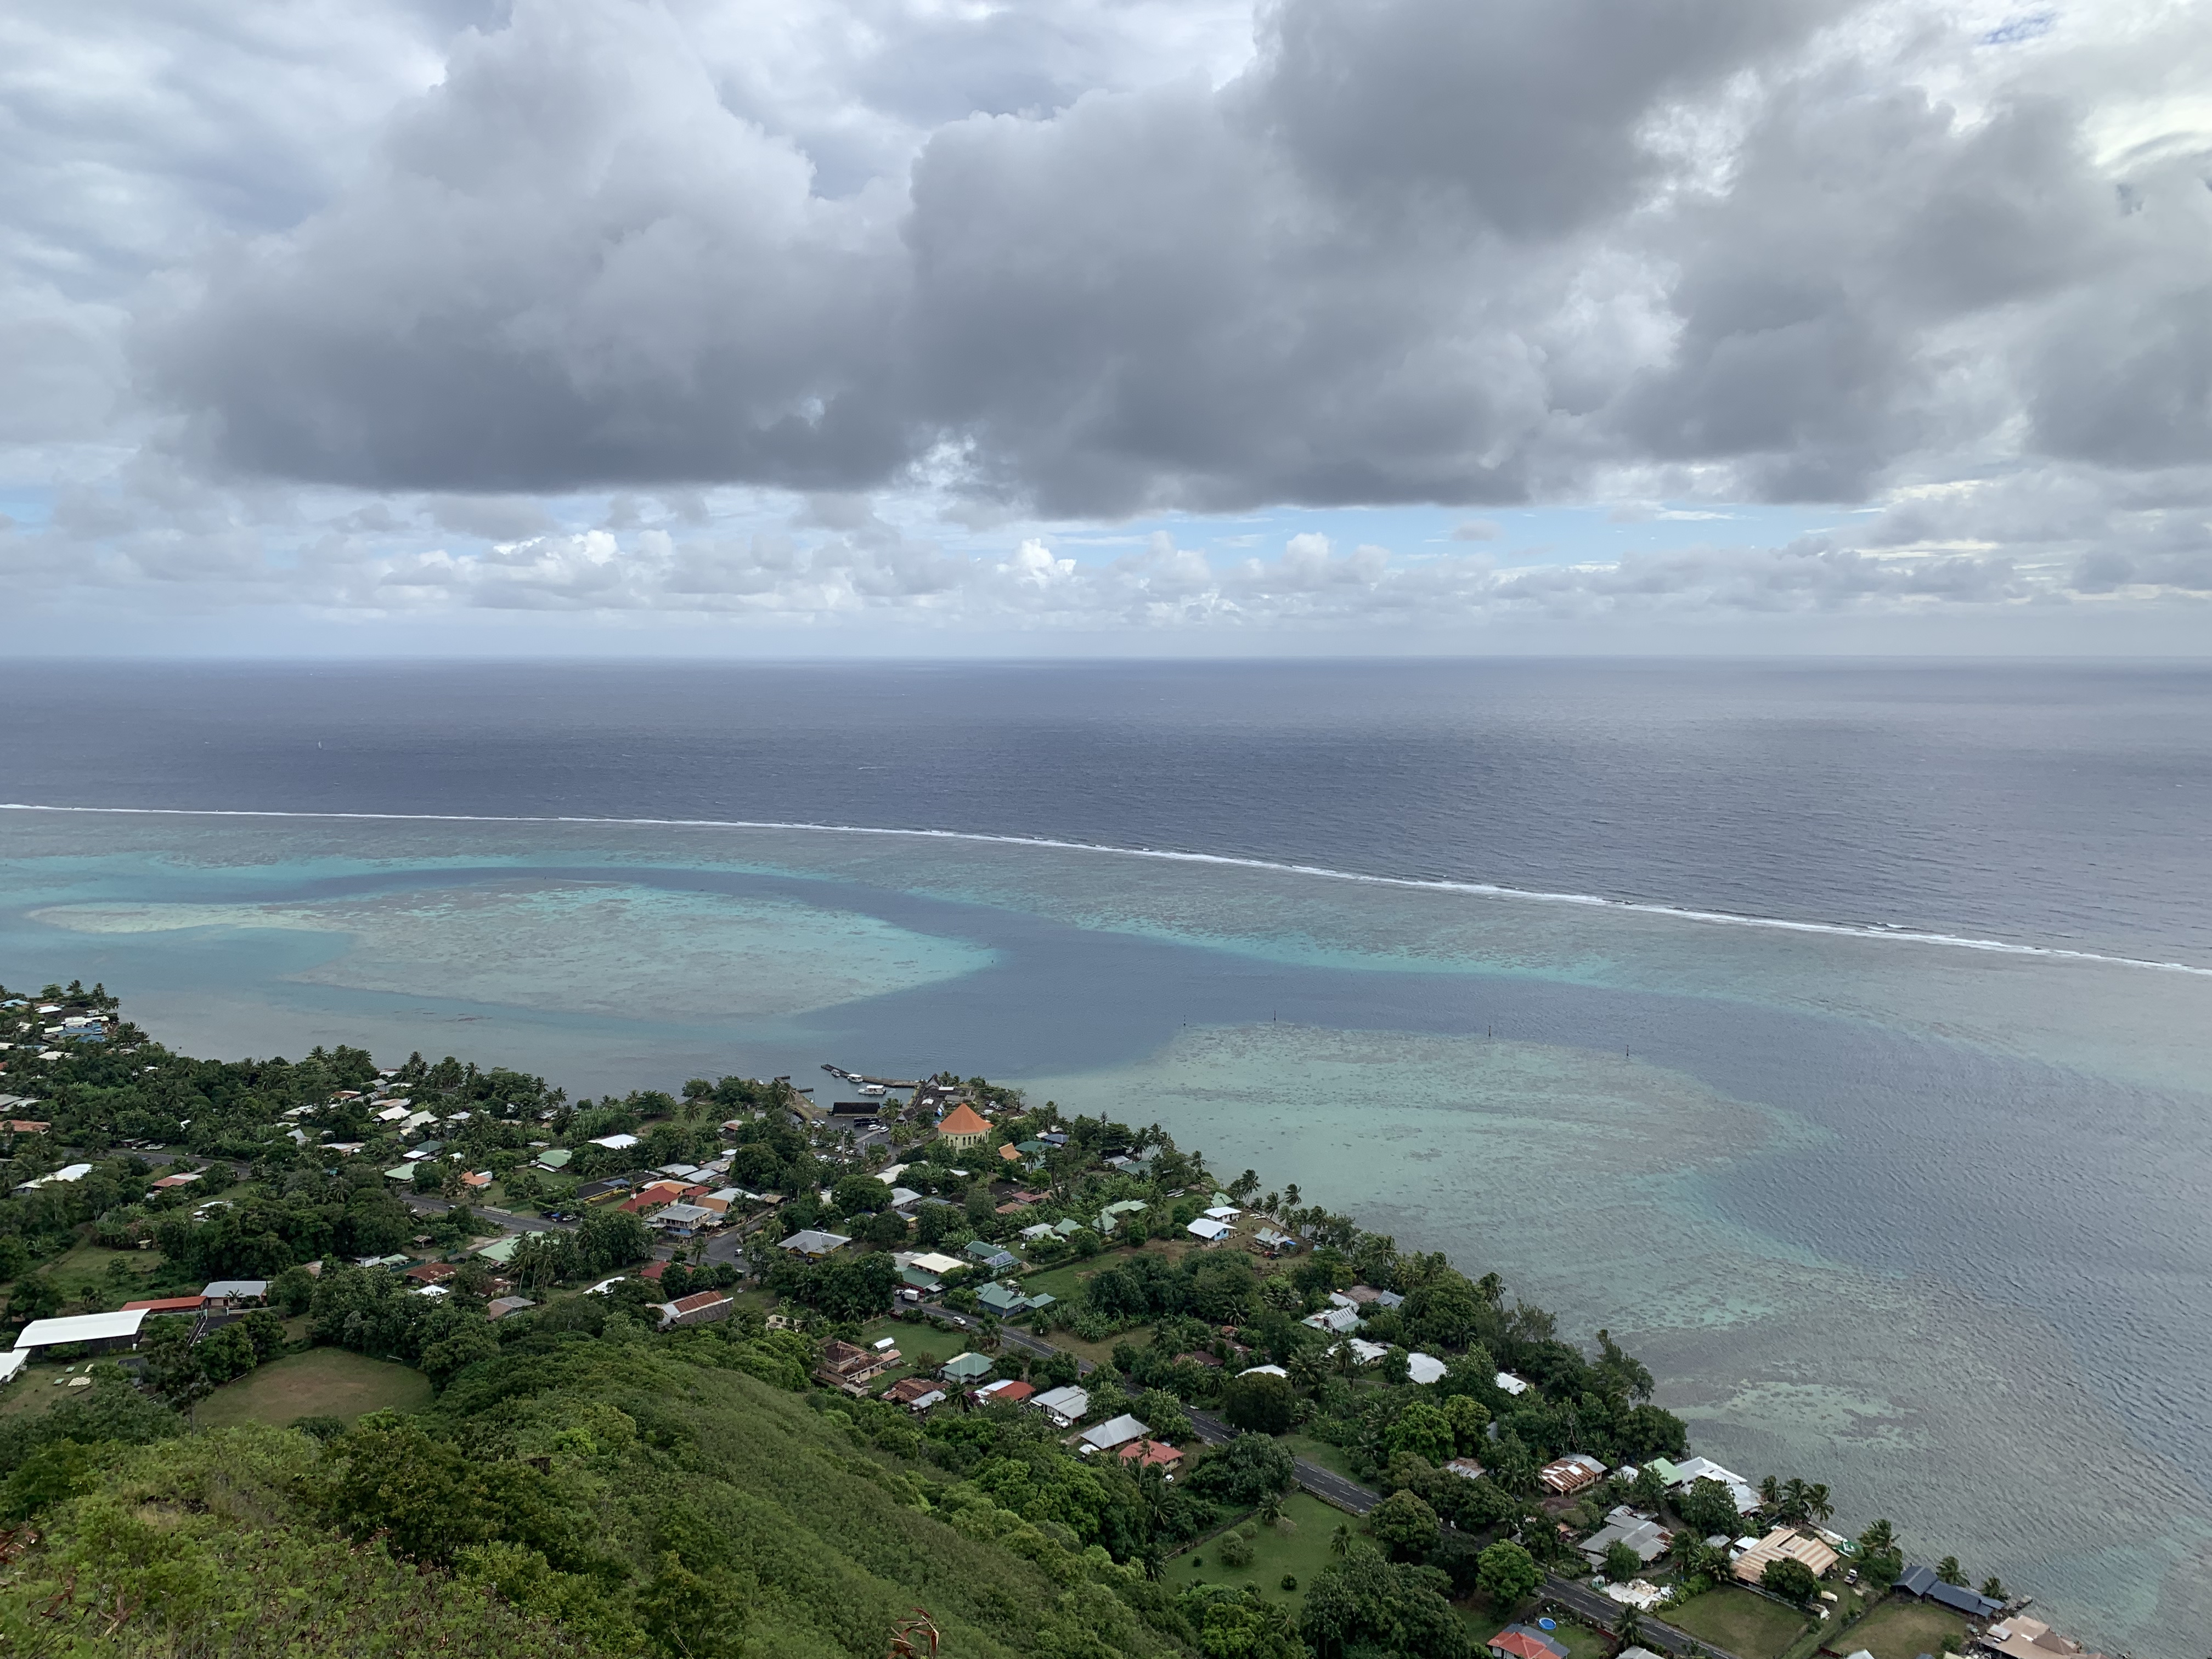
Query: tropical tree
1880	1538
1993	1587
1950	1571
1508	1574
1339	1541
1404	1526
1793	1581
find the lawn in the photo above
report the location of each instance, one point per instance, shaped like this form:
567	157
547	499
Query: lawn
1302	1552
324	1383
1744	1623
1330	1457
922	1347
1902	1630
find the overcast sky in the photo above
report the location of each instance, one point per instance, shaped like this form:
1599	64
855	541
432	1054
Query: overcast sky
1121	325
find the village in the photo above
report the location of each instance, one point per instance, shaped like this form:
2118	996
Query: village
942	1246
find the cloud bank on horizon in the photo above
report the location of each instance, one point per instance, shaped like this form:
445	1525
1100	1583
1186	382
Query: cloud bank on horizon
798	312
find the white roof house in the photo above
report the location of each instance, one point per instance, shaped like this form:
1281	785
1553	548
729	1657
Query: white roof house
81	1328
392	1113
1224	1213
616	1143
1512	1384
1263	1371
1117	1431
1366	1353
1211	1231
12	1362
1423	1368
1335	1321
1064	1406
68	1172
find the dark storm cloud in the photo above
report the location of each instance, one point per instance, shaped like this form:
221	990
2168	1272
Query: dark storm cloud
1420	250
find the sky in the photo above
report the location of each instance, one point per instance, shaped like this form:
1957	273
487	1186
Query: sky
941	327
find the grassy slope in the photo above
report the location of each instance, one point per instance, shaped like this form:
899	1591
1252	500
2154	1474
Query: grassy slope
212	1540
324	1383
202	1545
833	1534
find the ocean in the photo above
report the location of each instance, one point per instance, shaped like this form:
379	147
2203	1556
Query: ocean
1838	1035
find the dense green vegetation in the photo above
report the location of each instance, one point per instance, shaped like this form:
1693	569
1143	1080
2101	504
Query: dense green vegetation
573	1478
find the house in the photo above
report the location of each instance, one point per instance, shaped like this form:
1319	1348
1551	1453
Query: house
430	1273
500	1250
1009	1153
1039	1230
1466	1467
1114	1433
967	1368
814	1244
1210	1231
1785	1543
917	1394
1524	1641
721	1200
601	1192
1922	1582
2022	1638
1682	1476
616	1143
1272	1242
502	1306
686	1218
236	1293
1571	1473
1334	1321
928	1261
1511	1383
167	1181
11	1366
167	1305
1265	1370
1625	1526
1151	1454
1002	1394
1423	1368
1366	1296
477	1180
963	1128
852	1369
68	1172
102	1332
1005	1301
1364	1352
904	1198
703	1307
1224	1213
20	1126
1110	1217
555	1157
1065	1407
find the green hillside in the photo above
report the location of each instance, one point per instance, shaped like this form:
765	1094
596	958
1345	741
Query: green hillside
608	1496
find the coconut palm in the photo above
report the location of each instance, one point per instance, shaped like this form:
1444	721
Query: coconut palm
1817	1504
1339	1541
1879	1539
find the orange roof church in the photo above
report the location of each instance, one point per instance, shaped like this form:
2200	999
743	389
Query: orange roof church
962	1127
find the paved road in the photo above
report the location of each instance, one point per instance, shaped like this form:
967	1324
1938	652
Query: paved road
1588	1604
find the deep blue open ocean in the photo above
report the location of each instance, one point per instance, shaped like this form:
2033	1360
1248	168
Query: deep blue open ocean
1838	1033
2052	805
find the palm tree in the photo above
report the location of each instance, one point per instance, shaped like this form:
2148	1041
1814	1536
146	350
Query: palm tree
1993	1587
1770	1491
1948	1571
1879	1539
1794	1500
1339	1541
1628	1627
1816	1503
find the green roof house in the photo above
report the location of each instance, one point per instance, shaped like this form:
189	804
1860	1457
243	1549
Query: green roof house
555	1157
968	1368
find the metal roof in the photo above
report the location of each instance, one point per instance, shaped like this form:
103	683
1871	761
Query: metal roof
81	1328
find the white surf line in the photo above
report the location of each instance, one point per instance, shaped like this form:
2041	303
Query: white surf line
1479	889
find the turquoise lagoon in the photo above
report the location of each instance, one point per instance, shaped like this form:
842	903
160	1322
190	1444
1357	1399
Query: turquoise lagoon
1923	1221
